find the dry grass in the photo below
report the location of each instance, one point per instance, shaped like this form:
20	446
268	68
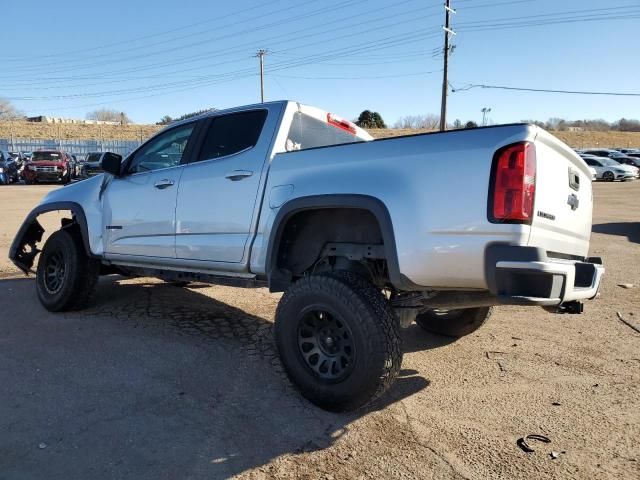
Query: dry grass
70	131
141	132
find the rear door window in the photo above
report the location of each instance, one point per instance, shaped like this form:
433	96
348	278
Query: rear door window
232	133
308	132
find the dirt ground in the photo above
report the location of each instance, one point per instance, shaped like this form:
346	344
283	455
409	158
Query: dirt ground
154	381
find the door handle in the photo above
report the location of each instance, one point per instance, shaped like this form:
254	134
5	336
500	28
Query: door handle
161	184
236	175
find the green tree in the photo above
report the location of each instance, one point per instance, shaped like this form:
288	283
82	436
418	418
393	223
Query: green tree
369	119
470	124
166	120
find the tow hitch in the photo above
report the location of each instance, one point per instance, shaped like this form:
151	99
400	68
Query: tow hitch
574	308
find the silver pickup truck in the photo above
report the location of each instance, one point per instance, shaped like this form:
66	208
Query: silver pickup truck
362	236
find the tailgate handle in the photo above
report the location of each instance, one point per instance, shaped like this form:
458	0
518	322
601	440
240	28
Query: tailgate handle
574	179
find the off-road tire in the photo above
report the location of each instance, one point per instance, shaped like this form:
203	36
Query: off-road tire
375	334
454	323
79	277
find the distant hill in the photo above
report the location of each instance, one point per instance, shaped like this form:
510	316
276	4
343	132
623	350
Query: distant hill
72	131
573	139
142	132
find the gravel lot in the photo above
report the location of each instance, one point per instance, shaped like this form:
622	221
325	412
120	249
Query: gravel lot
159	382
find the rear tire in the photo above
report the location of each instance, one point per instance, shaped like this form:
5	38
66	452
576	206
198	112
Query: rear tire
454	323
66	275
338	340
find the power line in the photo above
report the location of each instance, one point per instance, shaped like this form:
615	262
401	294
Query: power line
243	73
543	90
273	40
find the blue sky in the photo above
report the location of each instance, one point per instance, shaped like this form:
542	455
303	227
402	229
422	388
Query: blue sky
67	57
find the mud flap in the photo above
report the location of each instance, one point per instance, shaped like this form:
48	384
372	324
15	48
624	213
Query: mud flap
26	251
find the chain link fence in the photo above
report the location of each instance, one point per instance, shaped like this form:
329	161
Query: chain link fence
80	148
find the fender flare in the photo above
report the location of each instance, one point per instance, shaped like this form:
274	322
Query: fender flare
31	231
278	282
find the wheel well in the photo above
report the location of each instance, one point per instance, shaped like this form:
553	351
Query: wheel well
24	249
353	235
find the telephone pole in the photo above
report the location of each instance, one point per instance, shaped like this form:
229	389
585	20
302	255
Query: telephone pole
445	76
484	111
261	53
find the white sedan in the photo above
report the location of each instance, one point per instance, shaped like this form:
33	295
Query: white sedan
610	170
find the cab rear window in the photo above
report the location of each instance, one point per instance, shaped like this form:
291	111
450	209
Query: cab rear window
309	132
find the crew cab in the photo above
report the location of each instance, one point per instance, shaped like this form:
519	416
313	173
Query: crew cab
362	236
48	166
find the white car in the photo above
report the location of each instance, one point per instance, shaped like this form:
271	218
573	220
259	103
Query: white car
610	170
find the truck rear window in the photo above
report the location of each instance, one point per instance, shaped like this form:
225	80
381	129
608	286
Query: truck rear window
308	132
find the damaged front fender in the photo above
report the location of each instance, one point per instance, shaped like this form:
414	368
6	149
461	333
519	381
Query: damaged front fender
24	248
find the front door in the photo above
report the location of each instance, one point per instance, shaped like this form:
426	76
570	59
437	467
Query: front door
139	207
219	188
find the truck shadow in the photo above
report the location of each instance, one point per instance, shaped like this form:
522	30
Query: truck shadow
631	230
211	399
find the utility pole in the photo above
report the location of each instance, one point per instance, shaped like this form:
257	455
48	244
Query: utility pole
484	111
261	53
445	75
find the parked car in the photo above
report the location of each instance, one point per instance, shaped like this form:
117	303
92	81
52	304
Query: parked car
627	151
73	165
19	157
48	166
8	168
608	169
608	153
631	161
92	165
361	236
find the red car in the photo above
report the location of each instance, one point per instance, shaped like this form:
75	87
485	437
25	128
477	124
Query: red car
48	166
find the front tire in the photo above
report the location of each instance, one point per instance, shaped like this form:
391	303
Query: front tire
608	176
454	323
338	340
66	276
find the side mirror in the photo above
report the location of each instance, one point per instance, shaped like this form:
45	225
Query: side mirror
111	163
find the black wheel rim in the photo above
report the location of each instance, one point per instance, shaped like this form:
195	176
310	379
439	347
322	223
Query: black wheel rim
326	344
54	272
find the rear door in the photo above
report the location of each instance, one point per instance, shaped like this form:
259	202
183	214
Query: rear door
563	199
219	188
139	208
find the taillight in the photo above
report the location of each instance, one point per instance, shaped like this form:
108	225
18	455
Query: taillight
513	186
341	123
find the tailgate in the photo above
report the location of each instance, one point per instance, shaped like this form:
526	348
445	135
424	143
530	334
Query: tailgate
563	199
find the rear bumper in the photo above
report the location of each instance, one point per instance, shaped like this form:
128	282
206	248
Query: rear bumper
527	276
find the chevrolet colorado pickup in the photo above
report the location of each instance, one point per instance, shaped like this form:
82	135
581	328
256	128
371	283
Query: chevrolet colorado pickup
362	236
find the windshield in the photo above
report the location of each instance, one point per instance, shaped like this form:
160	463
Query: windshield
92	157
46	156
609	163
